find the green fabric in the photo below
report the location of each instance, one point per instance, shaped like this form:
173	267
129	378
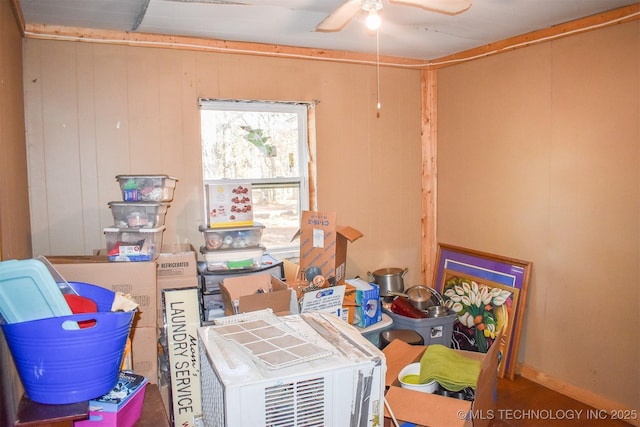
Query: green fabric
451	369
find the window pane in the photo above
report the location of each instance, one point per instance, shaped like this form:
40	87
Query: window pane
266	144
278	209
249	144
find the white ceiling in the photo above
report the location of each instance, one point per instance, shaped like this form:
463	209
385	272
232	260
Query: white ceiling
406	31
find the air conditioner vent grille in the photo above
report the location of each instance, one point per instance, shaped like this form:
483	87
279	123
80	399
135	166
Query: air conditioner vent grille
299	403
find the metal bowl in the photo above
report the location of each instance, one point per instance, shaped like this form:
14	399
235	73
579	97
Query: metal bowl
437	311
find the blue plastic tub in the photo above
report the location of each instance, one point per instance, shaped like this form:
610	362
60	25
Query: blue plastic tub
58	365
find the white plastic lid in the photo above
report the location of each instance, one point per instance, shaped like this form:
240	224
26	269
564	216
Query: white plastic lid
115	229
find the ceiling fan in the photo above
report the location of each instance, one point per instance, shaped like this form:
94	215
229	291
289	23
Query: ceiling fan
350	9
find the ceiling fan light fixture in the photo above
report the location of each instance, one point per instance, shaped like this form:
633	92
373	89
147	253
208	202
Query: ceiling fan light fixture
373	18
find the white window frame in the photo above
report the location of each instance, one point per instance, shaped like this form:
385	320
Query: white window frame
303	110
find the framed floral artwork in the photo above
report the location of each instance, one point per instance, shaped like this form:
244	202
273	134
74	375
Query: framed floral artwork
488	293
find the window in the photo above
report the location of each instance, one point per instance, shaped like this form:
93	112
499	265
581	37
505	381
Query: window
266	144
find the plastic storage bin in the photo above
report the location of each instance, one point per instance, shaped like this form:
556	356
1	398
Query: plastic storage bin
434	330
211	279
133	244
230	259
147	188
138	214
121	407
58	365
232	237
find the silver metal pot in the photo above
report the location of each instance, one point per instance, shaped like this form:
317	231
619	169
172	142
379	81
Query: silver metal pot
390	280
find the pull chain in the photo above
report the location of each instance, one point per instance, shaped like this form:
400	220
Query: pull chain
378	105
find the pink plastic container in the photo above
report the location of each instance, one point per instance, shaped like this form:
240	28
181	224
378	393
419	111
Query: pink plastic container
110	415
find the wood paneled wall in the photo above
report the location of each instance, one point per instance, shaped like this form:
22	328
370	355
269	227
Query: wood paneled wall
98	110
538	154
15	238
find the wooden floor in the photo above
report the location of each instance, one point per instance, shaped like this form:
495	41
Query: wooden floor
523	403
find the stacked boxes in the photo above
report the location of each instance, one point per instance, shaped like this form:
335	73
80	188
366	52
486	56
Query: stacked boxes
232	244
136	234
231	238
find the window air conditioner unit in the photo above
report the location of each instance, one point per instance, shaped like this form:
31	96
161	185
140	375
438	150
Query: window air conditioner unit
310	369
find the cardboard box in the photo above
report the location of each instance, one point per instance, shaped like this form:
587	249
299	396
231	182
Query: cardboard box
229	205
363	298
177	268
135	278
433	410
257	292
178	282
323	244
177	260
144	352
328	300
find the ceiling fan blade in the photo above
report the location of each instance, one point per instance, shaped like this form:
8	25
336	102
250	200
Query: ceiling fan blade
213	2
449	7
341	16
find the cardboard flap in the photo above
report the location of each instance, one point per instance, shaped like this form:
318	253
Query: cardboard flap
257	292
434	410
490	362
291	271
232	288
273	300
485	398
176	248
350	303
398	355
349	232
346	231
238	286
77	259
